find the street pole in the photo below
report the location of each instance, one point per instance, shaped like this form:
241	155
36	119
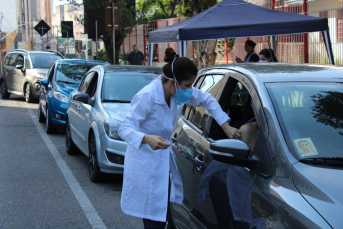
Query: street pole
96	39
114	37
67	44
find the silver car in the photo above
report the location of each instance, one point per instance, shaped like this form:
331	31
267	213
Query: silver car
95	113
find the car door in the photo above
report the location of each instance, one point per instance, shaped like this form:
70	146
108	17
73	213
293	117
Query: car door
74	116
187	137
224	191
18	74
10	72
6	68
85	111
46	91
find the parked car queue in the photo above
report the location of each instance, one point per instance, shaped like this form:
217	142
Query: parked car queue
289	178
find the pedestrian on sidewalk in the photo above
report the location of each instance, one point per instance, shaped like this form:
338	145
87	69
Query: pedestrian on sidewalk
149	166
136	57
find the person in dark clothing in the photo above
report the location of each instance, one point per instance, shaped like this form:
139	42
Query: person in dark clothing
252	55
136	57
265	55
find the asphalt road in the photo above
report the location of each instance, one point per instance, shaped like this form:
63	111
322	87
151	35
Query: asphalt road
43	187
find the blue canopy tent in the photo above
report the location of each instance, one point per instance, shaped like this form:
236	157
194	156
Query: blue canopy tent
237	18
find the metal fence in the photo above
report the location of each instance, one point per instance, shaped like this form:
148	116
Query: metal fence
295	48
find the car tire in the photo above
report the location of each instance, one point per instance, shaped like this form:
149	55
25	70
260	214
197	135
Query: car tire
28	93
95	174
3	90
49	128
41	117
71	148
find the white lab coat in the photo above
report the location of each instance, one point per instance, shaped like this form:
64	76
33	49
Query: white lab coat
147	171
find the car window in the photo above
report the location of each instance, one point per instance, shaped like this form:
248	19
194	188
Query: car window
20	60
124	86
7	60
198	115
27	63
310	116
13	59
85	83
196	85
71	72
93	85
44	60
240	95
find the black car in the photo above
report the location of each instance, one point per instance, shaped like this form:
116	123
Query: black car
291	175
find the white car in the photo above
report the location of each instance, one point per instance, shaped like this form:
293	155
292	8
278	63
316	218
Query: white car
95	113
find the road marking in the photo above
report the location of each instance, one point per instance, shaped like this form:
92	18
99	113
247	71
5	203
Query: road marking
81	197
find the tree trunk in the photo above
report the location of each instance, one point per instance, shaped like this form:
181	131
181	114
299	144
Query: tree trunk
205	53
109	48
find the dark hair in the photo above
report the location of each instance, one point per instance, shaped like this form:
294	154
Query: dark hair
251	43
184	68
47	47
134	45
266	53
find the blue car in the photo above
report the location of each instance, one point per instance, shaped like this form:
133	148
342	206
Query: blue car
63	78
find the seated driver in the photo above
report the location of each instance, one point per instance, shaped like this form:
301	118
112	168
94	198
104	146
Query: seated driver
249	130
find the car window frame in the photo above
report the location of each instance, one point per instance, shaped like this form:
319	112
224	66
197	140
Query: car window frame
83	81
192	108
51	74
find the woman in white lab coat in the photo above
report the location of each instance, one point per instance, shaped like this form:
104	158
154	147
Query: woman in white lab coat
149	163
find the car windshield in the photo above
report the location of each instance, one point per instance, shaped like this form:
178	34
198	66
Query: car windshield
71	73
44	60
311	118
122	87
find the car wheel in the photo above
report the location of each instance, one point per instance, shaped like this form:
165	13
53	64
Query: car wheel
41	117
95	174
3	90
28	94
49	128
70	145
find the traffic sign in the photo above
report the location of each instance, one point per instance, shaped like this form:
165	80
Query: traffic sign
42	28
67	29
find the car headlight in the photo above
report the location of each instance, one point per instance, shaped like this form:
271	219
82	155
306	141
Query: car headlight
111	127
39	76
61	97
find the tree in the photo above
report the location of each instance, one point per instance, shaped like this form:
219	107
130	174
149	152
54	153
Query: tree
128	19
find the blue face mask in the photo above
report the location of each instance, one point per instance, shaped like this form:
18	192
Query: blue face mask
181	95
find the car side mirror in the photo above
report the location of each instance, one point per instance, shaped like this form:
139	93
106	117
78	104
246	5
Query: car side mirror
19	66
232	151
84	98
44	82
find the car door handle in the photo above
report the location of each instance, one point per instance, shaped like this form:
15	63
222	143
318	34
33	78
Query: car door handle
79	108
198	162
72	102
174	138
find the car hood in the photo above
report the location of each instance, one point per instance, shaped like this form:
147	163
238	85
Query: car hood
322	188
36	71
66	89
117	111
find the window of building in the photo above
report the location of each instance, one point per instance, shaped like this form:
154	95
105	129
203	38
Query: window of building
340	25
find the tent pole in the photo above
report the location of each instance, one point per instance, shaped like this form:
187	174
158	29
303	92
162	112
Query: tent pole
327	42
150	53
270	51
184	46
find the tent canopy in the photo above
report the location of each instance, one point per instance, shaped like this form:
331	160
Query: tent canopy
237	18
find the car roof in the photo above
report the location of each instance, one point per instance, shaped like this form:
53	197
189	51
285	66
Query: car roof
283	72
132	68
74	61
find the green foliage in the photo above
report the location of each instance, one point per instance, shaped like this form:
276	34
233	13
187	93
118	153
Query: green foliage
102	55
151	10
123	56
225	44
